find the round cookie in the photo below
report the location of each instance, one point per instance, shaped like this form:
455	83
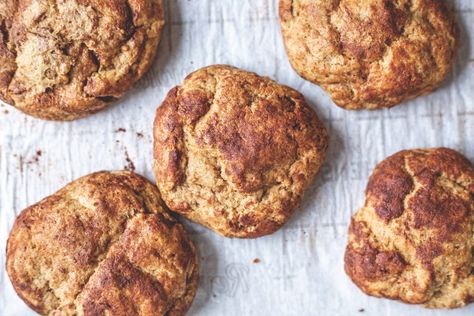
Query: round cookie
63	60
102	245
413	239
370	54
235	151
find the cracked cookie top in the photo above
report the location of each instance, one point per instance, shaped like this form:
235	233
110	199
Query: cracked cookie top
413	239
66	59
370	54
235	151
102	245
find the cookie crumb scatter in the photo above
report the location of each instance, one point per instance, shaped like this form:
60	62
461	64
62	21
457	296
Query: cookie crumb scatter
130	165
23	162
35	159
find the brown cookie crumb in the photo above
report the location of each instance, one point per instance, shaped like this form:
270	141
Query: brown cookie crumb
130	164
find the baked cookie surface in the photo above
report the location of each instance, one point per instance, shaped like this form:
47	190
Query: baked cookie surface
102	245
413	239
235	151
370	54
63	60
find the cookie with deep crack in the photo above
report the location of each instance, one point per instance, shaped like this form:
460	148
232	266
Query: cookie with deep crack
63	60
413	240
235	151
102	245
370	54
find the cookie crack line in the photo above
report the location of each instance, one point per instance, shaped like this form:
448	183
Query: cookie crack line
74	65
406	198
457	184
440	175
187	137
152	277
110	243
404	205
432	294
388	246
210	102
292	8
4	31
366	66
213	161
408	259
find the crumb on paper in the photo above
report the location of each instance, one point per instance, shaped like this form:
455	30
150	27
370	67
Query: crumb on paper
120	130
256	260
139	135
361	310
130	165
34	160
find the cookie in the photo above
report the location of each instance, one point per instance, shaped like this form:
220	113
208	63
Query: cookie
102	245
413	240
370	54
63	60
235	151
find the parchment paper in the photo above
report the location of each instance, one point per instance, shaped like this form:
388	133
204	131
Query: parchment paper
300	268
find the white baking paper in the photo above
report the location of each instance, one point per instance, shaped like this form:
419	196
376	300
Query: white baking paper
300	268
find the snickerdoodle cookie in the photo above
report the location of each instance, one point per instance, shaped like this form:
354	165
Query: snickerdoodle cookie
413	239
370	54
235	151
102	245
63	60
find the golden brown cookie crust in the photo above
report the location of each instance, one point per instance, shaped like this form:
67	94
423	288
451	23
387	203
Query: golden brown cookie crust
370	54
63	60
102	244
413	239
235	151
